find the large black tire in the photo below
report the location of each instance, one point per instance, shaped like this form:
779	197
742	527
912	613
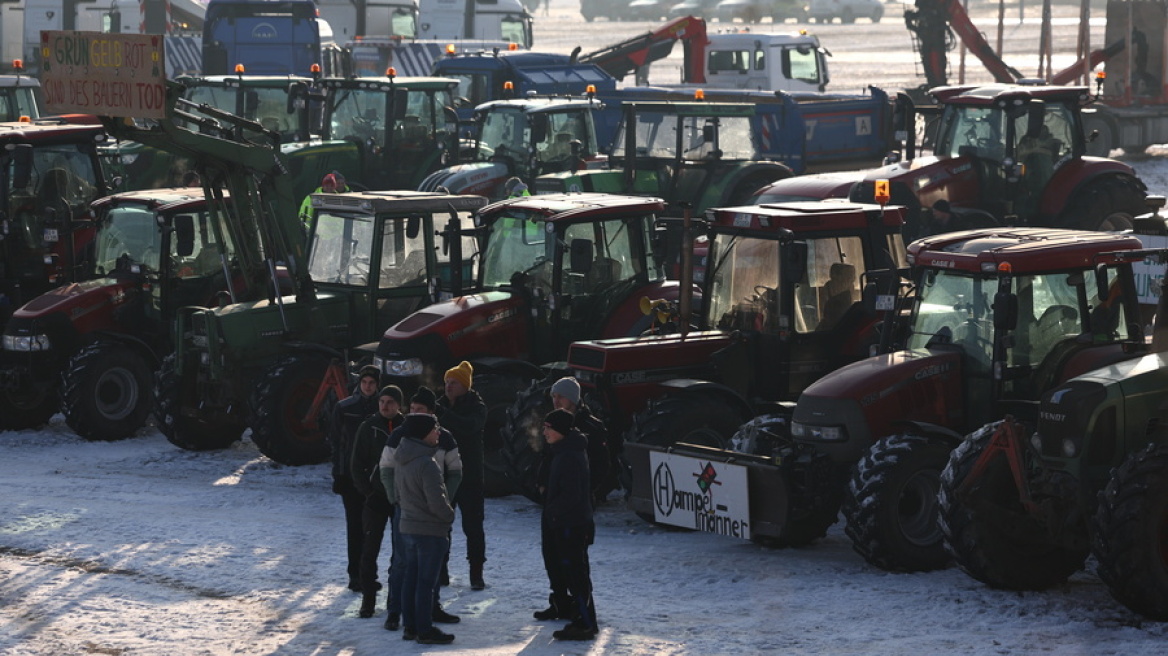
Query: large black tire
522	437
1131	533
1107	204
815	485
689	418
184	431
278	405
890	505
990	534
106	391
499	391
30	408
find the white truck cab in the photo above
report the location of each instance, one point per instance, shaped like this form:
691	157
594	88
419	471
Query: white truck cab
480	20
790	62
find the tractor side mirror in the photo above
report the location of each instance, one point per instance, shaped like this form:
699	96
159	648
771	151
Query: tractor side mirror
794	261
1102	286
1005	311
1035	116
184	235
580	255
297	96
401	102
21	165
708	133
413	227
539	128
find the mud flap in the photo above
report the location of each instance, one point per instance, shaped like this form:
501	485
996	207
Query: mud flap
766	489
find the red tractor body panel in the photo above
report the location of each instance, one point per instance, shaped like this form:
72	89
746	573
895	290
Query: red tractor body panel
92	305
491	322
1073	175
1025	250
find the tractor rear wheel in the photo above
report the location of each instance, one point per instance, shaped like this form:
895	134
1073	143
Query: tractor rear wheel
106	392
891	504
31	408
992	536
188	432
1108	204
523	439
1131	533
499	391
278	406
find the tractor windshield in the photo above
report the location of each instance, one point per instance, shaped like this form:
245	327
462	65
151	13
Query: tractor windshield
977	130
668	136
266	105
60	185
129	235
505	133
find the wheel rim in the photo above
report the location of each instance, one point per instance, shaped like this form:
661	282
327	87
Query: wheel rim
1117	221
917	508
117	393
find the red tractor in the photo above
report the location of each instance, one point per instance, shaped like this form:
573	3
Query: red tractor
782	306
1002	155
554	269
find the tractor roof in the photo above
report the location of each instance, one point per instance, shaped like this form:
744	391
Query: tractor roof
267	81
50	131
574	207
1025	250
399	82
806	216
397	202
995	93
694	108
172	199
544	104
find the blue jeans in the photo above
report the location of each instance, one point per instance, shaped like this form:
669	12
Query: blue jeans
422	562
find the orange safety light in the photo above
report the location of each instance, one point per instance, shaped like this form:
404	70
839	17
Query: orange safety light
450	48
314	69
508	86
699	94
1005	267
882	194
1101	75
25	118
239	69
590	89
513	46
391	72
18	64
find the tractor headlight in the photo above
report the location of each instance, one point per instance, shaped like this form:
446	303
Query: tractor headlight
407	367
1069	448
26	343
818	433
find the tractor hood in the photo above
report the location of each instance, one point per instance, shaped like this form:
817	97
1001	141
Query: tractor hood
873	397
481	178
78	300
493	322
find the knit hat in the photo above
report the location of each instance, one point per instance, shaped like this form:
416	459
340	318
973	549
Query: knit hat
369	371
392	391
560	421
568	388
424	396
330	183
418	425
463	373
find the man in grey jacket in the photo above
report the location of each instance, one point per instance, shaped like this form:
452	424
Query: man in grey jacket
426	518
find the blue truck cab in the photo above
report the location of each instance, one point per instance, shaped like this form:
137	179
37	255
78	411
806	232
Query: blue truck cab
268	37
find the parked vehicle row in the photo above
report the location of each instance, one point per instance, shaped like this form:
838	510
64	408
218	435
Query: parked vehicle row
746	11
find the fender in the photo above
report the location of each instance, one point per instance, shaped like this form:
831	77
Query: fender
131	341
297	346
926	429
1074	176
775	171
685	386
493	364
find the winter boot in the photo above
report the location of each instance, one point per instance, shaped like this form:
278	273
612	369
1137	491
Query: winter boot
559	608
476	577
392	621
435	636
575	631
368	604
440	616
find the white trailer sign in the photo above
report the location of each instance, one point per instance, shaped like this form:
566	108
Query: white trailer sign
699	494
103	74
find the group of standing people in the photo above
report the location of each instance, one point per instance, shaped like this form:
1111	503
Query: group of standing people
410	471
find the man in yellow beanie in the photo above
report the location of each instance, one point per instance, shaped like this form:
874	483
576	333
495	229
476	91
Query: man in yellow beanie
461	410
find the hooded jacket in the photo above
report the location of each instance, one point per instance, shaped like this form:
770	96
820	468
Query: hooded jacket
446	456
347	418
367	445
421	494
568	499
466	418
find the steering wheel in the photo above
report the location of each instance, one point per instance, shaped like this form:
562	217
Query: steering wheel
1054	317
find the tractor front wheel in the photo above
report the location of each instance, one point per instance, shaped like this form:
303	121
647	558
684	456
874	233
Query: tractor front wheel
1109	204
279	405
192	433
1131	533
522	437
993	537
891	504
106	391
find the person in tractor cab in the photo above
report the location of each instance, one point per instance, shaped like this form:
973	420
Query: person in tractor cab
332	183
515	188
347	418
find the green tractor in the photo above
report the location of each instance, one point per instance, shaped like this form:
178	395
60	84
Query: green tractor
696	153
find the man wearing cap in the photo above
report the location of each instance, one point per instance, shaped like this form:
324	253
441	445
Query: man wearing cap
462	411
426	518
567	528
447	456
347	418
332	183
367	446
565	394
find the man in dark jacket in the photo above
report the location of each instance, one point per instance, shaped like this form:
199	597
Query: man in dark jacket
426	517
567	527
462	411
566	396
367	446
447	456
346	419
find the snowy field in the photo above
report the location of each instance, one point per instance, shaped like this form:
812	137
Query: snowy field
138	548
